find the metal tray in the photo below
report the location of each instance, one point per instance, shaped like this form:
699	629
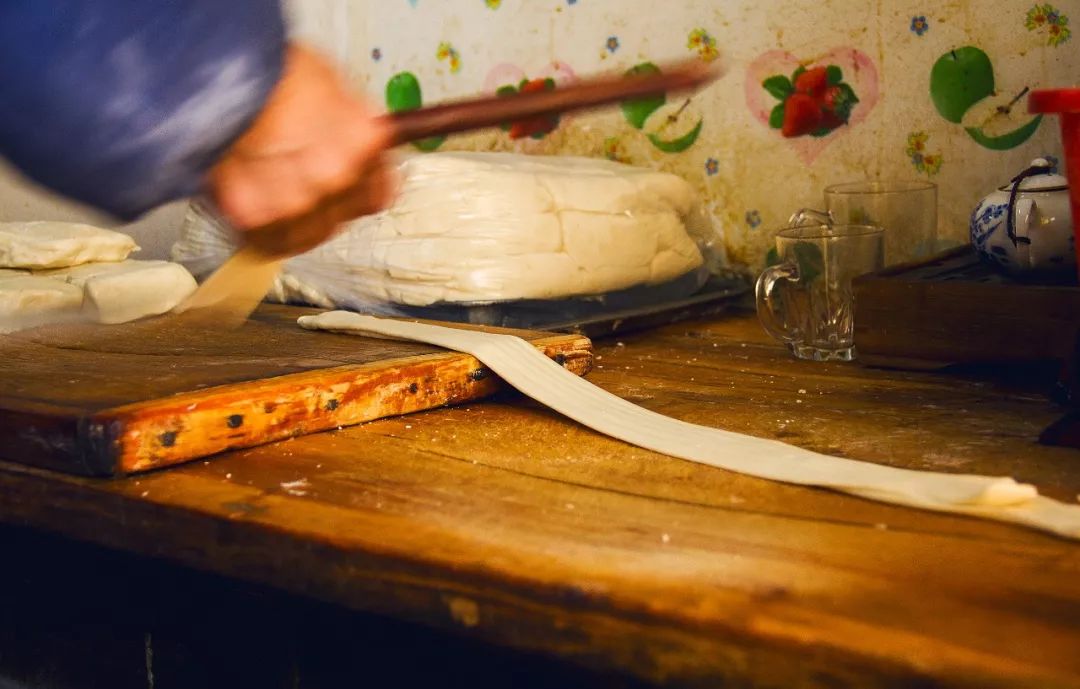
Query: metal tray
693	295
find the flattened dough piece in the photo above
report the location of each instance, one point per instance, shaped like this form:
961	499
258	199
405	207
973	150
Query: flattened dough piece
46	244
127	291
522	366
29	301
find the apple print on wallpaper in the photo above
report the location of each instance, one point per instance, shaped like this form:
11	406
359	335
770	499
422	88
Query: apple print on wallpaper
965	91
812	101
403	93
670	127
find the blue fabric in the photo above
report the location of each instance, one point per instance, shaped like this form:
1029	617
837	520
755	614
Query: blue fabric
124	104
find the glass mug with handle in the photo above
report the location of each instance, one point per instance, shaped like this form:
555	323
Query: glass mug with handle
906	210
806	300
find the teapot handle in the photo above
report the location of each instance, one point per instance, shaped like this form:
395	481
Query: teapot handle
1015	210
1023	217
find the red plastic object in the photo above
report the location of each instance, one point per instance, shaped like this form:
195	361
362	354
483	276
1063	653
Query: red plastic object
1066	104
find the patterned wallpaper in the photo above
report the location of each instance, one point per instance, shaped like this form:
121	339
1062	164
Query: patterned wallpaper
814	93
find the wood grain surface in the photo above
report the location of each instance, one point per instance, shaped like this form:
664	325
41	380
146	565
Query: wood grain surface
508	524
105	400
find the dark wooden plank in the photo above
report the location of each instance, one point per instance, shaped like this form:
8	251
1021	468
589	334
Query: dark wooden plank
954	309
114	400
152	624
506	523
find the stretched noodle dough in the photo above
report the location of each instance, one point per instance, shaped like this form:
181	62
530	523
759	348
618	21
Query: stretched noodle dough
522	366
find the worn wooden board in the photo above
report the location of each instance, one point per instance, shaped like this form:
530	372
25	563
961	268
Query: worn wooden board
501	521
99	400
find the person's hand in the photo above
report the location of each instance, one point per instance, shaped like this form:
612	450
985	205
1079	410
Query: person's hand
312	160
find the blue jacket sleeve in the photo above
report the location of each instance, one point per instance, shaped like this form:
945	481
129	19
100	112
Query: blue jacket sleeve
125	104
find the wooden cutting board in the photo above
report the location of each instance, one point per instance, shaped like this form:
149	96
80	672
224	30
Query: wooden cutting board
116	400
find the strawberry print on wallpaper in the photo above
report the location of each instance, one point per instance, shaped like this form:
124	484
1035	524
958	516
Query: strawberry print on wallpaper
824	97
508	79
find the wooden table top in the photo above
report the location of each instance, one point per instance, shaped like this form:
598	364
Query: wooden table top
505	522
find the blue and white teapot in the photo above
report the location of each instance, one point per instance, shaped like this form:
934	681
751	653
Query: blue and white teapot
1026	226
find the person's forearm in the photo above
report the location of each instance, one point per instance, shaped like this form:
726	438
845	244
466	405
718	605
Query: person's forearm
126	104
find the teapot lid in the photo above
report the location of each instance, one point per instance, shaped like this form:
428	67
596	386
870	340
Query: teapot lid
1038	177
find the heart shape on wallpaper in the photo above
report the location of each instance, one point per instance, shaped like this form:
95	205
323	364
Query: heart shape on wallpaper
504	75
859	72
512	75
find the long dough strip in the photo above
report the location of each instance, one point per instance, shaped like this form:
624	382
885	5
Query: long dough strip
522	366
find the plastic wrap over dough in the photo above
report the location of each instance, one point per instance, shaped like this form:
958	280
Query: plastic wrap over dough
492	227
500	227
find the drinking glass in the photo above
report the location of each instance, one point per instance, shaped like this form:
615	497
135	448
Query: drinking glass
806	299
906	210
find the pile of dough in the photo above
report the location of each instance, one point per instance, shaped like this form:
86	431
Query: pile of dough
45	244
27	301
98	292
57	272
490	227
129	290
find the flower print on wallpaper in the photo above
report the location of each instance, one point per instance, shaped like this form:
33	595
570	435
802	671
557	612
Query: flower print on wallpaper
965	91
702	42
823	98
613	150
447	53
1047	19
927	163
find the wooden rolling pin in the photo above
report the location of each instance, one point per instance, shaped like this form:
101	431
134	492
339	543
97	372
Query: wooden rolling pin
480	113
238	286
